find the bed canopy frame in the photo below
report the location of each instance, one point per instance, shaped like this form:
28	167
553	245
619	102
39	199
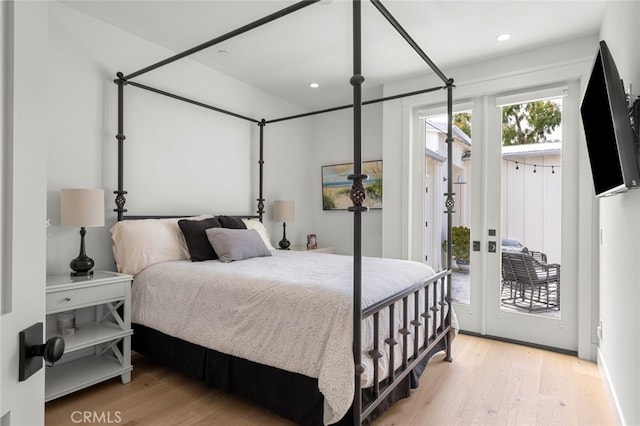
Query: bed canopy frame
357	194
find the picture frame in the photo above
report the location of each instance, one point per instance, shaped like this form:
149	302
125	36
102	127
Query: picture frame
336	186
312	242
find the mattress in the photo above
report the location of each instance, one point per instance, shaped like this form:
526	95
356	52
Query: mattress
292	311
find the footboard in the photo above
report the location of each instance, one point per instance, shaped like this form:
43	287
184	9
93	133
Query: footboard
424	313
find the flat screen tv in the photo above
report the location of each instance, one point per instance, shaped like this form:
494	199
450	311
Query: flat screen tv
613	153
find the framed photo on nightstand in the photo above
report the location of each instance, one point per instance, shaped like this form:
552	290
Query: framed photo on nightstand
312	242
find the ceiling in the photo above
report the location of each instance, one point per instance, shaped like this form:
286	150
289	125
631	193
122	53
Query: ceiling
314	44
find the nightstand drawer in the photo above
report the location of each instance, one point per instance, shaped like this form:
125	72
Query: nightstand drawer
69	299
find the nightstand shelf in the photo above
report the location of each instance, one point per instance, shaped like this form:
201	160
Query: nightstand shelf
72	376
100	346
91	334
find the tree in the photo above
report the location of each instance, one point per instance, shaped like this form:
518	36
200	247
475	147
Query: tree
462	121
529	123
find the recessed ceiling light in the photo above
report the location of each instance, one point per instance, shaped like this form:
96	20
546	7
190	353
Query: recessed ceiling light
314	85
223	52
503	37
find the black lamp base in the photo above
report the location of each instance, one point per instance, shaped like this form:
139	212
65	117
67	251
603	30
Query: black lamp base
82	265
284	243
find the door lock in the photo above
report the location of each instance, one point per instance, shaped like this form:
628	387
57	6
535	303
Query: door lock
492	246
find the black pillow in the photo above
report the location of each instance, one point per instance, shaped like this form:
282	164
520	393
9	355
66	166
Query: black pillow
197	242
231	222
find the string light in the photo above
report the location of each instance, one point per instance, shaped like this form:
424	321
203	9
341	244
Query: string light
535	166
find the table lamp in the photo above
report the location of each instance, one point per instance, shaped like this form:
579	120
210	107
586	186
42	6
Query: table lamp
83	208
284	211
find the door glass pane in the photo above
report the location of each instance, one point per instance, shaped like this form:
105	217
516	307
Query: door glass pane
434	202
531	203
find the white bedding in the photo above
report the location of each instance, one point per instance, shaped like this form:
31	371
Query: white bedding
291	311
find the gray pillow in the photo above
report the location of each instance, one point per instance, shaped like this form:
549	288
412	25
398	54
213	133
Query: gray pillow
236	244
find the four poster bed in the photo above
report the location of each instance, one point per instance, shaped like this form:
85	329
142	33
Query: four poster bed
282	342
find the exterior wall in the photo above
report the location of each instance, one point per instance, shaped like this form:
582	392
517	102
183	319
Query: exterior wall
436	185
531	203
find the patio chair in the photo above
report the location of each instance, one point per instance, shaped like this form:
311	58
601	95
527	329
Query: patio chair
532	280
539	256
509	281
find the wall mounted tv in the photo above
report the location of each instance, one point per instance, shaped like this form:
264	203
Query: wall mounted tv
611	144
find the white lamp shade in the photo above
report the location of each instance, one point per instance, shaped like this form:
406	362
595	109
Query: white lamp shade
82	207
284	211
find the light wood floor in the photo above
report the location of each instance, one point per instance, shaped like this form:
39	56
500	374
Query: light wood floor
488	383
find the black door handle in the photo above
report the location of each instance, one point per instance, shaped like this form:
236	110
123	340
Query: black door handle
32	348
51	351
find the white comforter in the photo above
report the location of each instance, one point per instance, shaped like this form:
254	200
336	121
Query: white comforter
291	311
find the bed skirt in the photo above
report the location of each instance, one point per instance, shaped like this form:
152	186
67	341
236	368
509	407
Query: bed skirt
290	395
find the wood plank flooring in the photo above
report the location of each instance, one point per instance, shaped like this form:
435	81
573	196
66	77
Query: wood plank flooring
488	383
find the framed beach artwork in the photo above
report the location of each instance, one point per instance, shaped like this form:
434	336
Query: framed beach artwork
336	186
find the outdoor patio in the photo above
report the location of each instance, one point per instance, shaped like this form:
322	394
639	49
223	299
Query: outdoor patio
461	293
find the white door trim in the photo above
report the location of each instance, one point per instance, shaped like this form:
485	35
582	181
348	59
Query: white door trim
23	196
549	75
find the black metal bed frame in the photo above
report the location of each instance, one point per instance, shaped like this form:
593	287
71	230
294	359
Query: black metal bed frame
439	286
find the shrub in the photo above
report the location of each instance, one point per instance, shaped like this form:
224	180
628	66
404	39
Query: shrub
460	243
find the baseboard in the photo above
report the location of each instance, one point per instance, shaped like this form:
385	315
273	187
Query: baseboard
611	394
520	342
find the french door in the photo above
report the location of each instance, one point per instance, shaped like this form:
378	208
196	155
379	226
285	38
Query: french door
516	195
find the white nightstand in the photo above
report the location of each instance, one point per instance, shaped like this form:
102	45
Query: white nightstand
320	249
100	347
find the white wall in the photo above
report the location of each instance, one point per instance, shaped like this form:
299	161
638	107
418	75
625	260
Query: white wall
619	349
287	156
333	144
203	162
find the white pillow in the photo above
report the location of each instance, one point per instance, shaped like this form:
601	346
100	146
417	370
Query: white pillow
140	243
262	231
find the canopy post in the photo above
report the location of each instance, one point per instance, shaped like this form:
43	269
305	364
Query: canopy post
260	199
450	203
120	193
357	196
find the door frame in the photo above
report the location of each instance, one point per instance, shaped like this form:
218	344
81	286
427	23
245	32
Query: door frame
23	195
560	333
413	179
